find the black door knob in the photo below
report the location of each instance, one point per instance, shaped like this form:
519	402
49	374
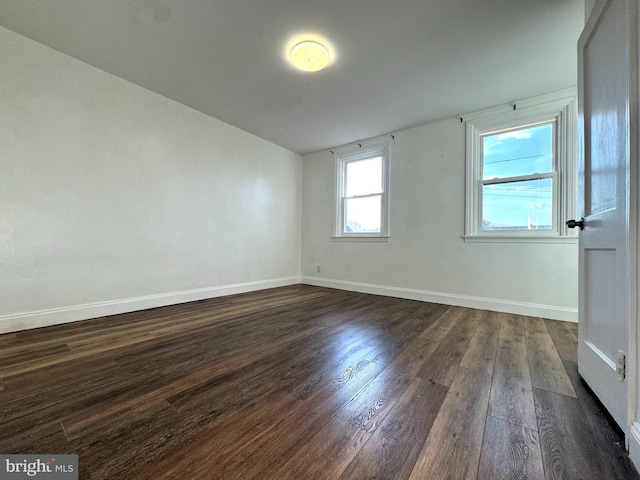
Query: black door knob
574	223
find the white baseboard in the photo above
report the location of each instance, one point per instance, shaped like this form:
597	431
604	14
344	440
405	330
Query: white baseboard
56	316
518	308
634	444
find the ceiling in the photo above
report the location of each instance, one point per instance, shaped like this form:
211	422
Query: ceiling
395	64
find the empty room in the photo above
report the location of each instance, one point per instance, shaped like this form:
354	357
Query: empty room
356	239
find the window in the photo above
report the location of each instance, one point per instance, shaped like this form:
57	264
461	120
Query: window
362	193
521	173
518	179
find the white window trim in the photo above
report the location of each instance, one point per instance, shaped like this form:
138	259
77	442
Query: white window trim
359	152
559	107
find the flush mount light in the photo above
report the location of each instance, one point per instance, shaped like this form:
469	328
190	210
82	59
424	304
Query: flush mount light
309	56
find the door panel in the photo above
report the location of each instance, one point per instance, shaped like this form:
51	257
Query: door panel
600	287
604	135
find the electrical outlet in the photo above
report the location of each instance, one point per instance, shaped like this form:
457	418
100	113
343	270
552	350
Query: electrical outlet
318	269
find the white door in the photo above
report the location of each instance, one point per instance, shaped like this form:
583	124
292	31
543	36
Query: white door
604	183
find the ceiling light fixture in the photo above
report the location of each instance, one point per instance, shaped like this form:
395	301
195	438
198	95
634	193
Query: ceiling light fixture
309	56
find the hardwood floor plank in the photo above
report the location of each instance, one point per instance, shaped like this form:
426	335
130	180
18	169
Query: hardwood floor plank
509	451
327	454
471	317
49	435
452	449
547	371
294	365
439	329
201	345
36	364
390	346
83	421
112	453
199	455
443	363
56	376
373	402
610	443
481	352
512	327
17	357
319	369
75	397
22	352
573	326
404	332
417	321
265	455
28	415
564	339
569	449
7	340
395	445
231	388
511	391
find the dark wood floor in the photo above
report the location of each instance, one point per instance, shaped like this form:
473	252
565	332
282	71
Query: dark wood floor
308	383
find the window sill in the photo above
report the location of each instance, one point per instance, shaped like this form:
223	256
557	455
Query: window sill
519	239
367	238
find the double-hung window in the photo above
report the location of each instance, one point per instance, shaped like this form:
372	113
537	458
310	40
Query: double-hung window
362	192
520	172
519	179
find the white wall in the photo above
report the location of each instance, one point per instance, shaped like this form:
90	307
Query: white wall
427	258
113	198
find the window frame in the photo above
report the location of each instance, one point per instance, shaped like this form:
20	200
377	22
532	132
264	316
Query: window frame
555	108
342	159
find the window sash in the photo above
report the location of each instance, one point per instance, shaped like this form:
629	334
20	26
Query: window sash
555	205
357	197
356	160
554	230
342	161
554	143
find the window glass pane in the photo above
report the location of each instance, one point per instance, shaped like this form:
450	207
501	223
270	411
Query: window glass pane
364	177
362	215
518	152
518	205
